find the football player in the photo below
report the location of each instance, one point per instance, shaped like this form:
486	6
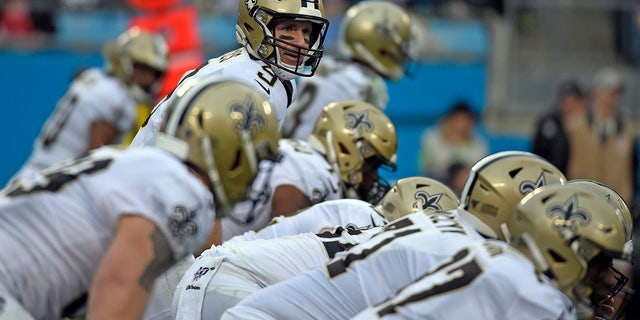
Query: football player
373	46
99	107
106	225
341	159
563	242
280	41
407	248
353	139
224	275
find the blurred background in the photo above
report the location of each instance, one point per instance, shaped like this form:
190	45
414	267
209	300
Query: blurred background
504	58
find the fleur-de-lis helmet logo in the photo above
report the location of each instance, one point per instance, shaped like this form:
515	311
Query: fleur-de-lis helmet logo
428	201
386	28
357	121
568	215
249	117
250	3
528	185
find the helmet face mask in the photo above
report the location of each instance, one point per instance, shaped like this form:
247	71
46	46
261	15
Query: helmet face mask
417	194
378	34
222	128
571	233
136	51
255	30
497	182
356	138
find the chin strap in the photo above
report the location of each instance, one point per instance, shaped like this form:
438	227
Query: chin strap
212	172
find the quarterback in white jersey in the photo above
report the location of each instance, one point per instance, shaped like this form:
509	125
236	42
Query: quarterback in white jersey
99	106
108	224
485	280
280	40
373	46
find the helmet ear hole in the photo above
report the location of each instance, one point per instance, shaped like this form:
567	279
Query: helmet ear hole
343	148
556	257
513	173
236	161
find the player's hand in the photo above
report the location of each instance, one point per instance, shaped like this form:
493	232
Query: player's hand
605	310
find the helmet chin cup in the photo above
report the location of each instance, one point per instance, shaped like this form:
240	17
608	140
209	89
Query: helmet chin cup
142	96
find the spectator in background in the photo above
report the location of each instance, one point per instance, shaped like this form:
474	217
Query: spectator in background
603	143
550	139
15	19
457	175
453	140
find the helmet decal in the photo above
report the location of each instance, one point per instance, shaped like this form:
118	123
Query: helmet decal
429	201
310	4
568	214
356	121
528	186
250	3
250	115
386	28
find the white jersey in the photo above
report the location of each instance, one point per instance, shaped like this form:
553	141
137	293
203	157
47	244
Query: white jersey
349	213
300	166
237	65
92	96
366	274
224	275
486	280
334	80
57	226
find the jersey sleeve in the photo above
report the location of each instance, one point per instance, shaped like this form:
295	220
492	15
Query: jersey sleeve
169	196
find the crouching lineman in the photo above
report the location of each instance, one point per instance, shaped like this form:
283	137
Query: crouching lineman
226	274
105	226
563	240
374	270
351	142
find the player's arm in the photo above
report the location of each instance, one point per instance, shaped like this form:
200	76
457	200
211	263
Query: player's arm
288	200
102	133
138	254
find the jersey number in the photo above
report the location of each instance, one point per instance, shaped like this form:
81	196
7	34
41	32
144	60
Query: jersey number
54	180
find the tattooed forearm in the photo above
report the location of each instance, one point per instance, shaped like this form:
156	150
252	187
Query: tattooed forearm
161	261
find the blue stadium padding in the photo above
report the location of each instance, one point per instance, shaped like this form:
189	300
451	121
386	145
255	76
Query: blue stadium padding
32	83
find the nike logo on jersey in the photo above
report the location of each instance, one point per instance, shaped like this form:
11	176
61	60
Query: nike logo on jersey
263	87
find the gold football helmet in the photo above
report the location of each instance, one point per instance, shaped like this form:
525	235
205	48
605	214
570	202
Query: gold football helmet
254	31
417	193
222	128
356	138
378	34
497	182
610	193
568	232
135	46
